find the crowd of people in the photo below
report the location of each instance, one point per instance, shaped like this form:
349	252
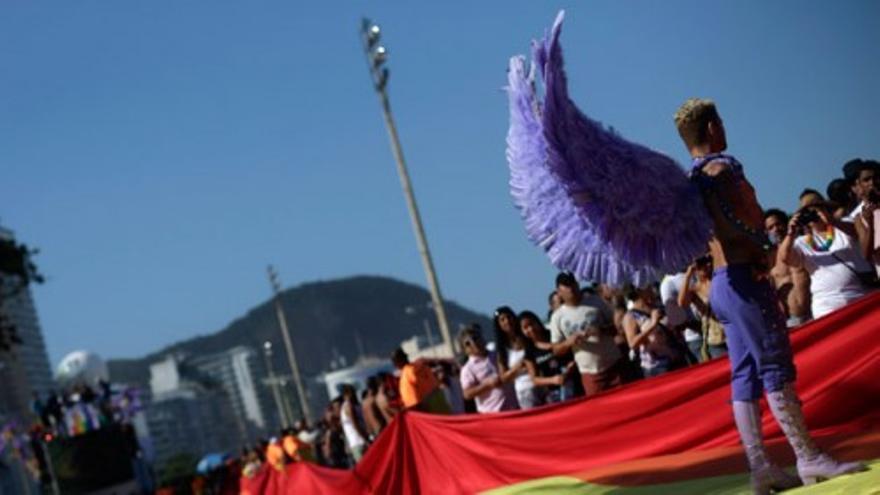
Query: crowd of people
820	258
79	411
595	338
82	408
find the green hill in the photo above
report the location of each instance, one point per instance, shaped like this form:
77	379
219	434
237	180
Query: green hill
322	316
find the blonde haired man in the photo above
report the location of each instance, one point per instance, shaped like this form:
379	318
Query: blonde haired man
745	302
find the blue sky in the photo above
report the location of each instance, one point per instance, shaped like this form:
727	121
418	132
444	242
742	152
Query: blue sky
161	154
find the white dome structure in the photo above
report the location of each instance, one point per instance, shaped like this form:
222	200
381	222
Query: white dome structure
81	367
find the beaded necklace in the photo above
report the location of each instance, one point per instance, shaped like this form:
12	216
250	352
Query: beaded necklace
709	184
824	243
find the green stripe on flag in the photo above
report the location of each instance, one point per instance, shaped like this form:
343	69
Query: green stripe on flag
867	482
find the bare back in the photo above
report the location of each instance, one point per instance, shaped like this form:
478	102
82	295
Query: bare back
736	215
793	286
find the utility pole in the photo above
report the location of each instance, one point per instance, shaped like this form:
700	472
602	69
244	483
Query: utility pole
377	55
288	345
282	381
273	382
53	486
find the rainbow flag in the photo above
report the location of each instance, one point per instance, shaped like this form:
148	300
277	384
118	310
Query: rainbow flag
669	434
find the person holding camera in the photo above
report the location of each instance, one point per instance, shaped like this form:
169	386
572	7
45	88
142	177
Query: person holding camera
829	251
792	284
647	335
695	294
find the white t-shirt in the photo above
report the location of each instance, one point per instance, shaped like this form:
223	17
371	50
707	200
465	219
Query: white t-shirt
832	281
522	381
857	214
670	288
598	353
352	435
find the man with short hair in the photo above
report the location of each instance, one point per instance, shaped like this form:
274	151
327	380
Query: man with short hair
480	378
792	283
585	326
745	302
864	177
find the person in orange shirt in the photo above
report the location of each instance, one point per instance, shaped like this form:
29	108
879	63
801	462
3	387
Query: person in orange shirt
419	388
296	449
275	454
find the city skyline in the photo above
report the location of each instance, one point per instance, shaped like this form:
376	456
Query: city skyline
160	158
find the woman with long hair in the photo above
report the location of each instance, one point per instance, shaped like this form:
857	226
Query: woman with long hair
551	373
510	351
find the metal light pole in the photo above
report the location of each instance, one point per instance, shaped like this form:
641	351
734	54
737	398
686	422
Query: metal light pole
273	382
376	57
288	345
282	380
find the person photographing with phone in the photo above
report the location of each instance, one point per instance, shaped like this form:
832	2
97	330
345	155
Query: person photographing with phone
647	335
829	251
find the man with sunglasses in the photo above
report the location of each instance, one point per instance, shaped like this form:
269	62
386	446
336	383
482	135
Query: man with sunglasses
480	378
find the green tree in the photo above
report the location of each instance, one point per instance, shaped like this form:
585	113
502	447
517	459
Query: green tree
179	468
16	266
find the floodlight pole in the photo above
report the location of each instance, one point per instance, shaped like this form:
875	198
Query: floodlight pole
376	57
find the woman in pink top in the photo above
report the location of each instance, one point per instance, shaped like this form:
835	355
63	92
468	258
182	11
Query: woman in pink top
480	378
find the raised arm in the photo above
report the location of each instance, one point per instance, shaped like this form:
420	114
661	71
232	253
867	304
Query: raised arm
542	381
636	334
786	253
564	346
686	296
864	225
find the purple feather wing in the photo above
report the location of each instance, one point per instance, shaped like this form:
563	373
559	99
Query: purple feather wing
632	208
551	218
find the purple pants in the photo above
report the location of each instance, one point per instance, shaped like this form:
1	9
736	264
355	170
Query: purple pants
755	330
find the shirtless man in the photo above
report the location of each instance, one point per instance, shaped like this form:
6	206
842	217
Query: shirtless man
745	302
792	284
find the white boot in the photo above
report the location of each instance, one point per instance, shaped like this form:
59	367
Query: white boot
766	477
813	465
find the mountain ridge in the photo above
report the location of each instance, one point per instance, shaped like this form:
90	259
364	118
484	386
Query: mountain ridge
325	318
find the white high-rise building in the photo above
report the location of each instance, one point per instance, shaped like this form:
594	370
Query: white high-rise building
24	370
209	403
238	372
187	414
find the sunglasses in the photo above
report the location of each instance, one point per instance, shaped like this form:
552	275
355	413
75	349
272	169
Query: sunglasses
472	341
